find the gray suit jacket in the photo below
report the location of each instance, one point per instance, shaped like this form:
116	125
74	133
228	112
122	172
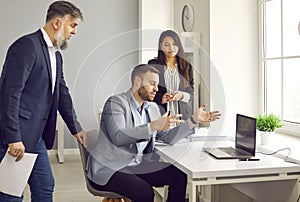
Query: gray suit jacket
119	133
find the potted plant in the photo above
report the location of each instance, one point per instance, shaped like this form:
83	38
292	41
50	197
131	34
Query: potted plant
267	124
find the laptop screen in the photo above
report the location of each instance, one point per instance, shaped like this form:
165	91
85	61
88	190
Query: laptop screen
245	133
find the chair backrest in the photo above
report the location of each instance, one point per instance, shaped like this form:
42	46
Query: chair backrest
92	137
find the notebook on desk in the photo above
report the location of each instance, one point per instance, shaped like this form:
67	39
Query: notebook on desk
245	141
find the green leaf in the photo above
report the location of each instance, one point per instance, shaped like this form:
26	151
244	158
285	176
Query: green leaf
268	123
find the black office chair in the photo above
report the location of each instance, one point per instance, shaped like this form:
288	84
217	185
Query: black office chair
91	141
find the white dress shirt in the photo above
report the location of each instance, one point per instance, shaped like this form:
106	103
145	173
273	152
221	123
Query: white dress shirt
52	49
143	120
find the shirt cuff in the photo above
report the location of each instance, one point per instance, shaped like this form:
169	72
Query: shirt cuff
149	130
153	134
186	97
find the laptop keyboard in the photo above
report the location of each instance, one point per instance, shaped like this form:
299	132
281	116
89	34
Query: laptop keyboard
231	151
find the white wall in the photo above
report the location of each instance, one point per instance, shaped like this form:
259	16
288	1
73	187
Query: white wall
234	52
201	19
100	57
155	16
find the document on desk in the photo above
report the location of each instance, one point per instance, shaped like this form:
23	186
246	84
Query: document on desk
14	175
161	143
202	134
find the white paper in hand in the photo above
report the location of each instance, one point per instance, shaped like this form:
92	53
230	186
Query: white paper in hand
14	175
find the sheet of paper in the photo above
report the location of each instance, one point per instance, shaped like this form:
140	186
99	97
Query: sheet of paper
14	175
202	134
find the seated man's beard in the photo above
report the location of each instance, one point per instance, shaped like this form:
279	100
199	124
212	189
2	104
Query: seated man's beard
61	42
143	94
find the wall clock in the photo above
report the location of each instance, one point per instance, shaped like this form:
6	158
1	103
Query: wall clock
187	18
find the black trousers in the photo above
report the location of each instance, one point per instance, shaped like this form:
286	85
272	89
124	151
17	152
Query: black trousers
136	182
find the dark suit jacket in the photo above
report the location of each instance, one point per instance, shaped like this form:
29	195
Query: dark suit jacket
186	109
28	109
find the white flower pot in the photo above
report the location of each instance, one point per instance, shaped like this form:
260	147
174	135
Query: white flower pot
265	137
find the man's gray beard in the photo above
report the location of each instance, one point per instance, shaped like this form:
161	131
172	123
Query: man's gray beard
61	42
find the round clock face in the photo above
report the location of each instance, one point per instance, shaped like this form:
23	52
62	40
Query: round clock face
187	18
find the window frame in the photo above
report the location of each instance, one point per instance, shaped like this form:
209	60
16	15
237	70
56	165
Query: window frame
288	127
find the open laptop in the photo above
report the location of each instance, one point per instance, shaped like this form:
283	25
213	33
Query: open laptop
245	141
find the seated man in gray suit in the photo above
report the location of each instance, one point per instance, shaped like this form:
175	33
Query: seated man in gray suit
123	160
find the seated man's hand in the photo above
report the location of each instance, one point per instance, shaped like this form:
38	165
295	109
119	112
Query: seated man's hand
202	116
165	122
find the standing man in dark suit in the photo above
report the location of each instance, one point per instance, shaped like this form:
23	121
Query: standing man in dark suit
32	89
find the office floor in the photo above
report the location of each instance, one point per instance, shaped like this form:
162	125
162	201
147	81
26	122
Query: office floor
69	181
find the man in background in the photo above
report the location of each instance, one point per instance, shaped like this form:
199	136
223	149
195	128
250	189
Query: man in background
32	89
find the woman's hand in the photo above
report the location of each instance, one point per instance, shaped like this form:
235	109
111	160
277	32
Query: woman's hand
177	95
167	97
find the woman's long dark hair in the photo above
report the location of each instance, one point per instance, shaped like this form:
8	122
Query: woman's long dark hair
183	65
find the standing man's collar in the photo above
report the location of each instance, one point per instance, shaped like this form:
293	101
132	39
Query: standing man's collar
47	39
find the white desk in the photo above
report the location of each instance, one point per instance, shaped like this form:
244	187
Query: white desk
203	169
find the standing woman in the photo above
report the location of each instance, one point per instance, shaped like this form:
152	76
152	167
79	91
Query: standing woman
176	81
